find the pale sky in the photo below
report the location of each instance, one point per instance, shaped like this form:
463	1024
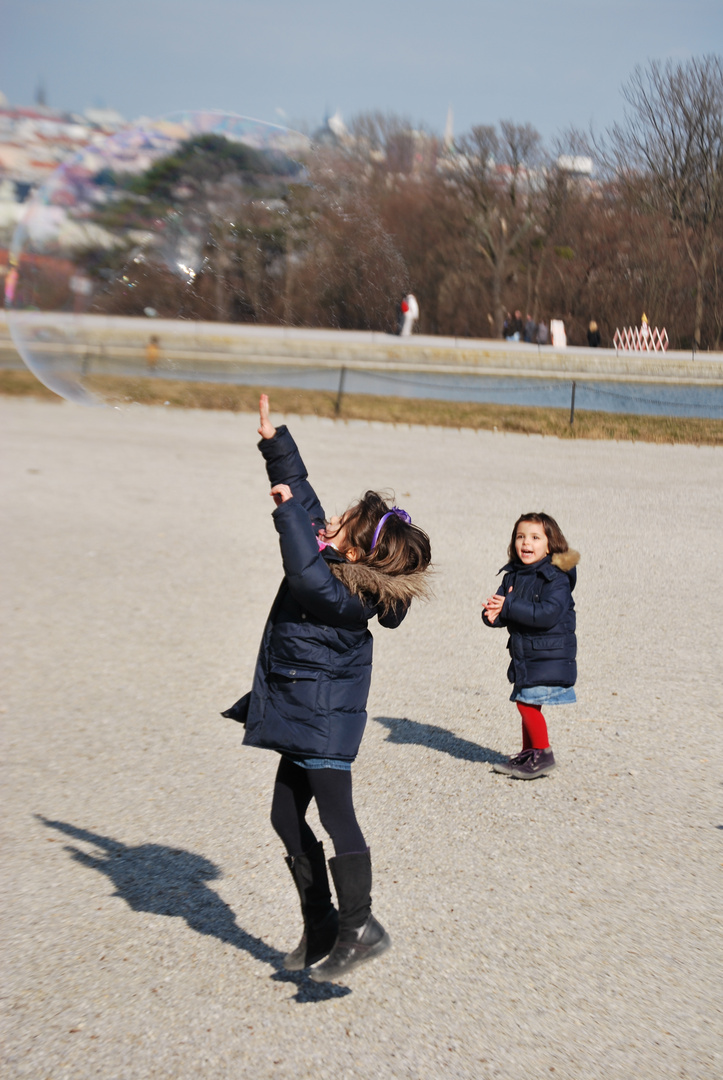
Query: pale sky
551	63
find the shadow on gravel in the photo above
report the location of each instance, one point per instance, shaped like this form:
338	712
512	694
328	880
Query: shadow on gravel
170	881
437	738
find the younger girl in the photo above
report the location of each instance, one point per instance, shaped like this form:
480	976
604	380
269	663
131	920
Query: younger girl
535	603
308	700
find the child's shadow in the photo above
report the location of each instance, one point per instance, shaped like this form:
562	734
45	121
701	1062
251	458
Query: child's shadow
170	881
437	738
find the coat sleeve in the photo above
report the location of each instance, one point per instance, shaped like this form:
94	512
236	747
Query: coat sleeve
499	622
310	580
284	465
541	614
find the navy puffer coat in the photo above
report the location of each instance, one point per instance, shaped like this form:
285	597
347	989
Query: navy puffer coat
314	665
539	614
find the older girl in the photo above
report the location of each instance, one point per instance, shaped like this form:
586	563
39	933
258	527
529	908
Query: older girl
308	700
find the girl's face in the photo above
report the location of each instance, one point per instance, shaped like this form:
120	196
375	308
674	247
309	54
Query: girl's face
531	542
335	534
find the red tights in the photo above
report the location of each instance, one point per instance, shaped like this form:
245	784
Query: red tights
534	728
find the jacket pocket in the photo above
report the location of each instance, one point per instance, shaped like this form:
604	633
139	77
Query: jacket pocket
348	693
550	644
293	690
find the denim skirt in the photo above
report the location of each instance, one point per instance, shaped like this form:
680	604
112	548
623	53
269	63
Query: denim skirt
544	695
318	762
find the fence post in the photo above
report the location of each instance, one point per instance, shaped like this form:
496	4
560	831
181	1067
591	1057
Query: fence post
572	404
340	392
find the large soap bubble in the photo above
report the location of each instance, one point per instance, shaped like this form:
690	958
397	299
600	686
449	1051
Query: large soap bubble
140	238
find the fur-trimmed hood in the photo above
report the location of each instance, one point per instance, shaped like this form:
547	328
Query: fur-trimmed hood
565	560
379	588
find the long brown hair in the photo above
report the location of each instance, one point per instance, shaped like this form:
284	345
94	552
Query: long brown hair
401	548
556	542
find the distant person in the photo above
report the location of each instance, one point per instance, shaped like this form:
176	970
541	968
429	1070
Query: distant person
410	312
543	333
535	604
644	331
11	282
309	695
530	334
517	327
153	352
557	332
507	326
593	335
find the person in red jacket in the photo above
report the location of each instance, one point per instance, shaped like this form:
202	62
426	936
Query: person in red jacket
410	314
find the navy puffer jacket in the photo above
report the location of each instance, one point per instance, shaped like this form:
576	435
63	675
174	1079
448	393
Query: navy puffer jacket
314	665
539	614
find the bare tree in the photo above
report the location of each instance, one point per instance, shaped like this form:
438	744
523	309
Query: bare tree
494	176
350	273
559	192
669	150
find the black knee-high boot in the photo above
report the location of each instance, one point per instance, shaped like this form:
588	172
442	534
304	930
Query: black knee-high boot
361	937
321	922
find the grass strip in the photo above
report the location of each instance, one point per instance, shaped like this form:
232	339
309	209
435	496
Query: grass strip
526	420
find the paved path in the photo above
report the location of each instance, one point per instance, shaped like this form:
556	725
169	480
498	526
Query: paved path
569	927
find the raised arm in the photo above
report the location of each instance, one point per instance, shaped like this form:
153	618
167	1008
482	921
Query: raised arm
284	464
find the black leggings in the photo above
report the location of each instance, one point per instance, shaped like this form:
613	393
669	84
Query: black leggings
294	789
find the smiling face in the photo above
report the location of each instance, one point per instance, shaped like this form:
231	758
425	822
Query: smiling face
531	542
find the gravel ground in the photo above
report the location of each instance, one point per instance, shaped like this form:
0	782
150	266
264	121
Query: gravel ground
569	926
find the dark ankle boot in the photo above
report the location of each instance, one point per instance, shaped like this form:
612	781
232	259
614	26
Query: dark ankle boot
321	922
361	937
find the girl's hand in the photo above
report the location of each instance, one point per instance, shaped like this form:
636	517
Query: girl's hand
493	606
280	493
266	428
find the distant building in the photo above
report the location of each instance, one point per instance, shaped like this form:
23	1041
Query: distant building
449	131
34	140
333	132
578	166
105	119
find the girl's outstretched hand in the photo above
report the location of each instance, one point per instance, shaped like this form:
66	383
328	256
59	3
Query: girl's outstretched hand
281	493
266	428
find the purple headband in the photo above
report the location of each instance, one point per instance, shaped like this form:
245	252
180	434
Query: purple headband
398	513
